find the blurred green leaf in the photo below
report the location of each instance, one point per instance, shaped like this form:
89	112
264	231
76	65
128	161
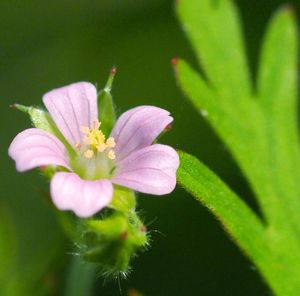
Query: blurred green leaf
20	275
80	278
8	245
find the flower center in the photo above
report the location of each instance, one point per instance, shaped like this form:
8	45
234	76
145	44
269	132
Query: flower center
94	141
95	154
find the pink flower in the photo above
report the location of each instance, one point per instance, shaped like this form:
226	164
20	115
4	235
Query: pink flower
126	158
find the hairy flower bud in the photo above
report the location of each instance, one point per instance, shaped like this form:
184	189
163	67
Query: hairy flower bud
113	241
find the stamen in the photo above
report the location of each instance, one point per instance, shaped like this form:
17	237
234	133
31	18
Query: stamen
101	147
110	142
96	124
111	154
94	140
88	154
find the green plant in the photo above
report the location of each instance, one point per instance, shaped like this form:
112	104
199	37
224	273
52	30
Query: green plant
258	122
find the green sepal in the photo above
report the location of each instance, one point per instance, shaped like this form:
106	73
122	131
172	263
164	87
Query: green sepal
41	119
48	171
123	199
106	108
113	241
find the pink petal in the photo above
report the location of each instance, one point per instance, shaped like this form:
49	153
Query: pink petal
149	170
72	107
83	197
138	128
35	147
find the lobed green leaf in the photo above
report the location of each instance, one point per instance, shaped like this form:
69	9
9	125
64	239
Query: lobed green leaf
259	128
277	95
237	218
214	29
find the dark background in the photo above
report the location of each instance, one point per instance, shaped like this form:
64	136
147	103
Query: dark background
47	44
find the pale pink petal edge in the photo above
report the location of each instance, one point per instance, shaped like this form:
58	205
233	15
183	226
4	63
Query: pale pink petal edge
138	128
72	107
149	170
34	147
84	197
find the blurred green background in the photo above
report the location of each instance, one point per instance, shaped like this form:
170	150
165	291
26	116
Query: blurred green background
44	45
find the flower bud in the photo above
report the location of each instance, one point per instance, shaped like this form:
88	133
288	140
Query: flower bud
106	108
113	241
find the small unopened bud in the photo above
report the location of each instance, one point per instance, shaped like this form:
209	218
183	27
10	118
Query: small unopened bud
20	107
112	241
110	80
113	71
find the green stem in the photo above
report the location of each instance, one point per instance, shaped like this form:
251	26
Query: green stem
80	278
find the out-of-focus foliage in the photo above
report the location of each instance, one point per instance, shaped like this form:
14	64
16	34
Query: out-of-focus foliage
258	125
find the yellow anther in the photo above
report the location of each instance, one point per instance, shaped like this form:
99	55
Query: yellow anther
96	124
111	154
110	142
94	141
101	147
77	146
88	154
94	138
